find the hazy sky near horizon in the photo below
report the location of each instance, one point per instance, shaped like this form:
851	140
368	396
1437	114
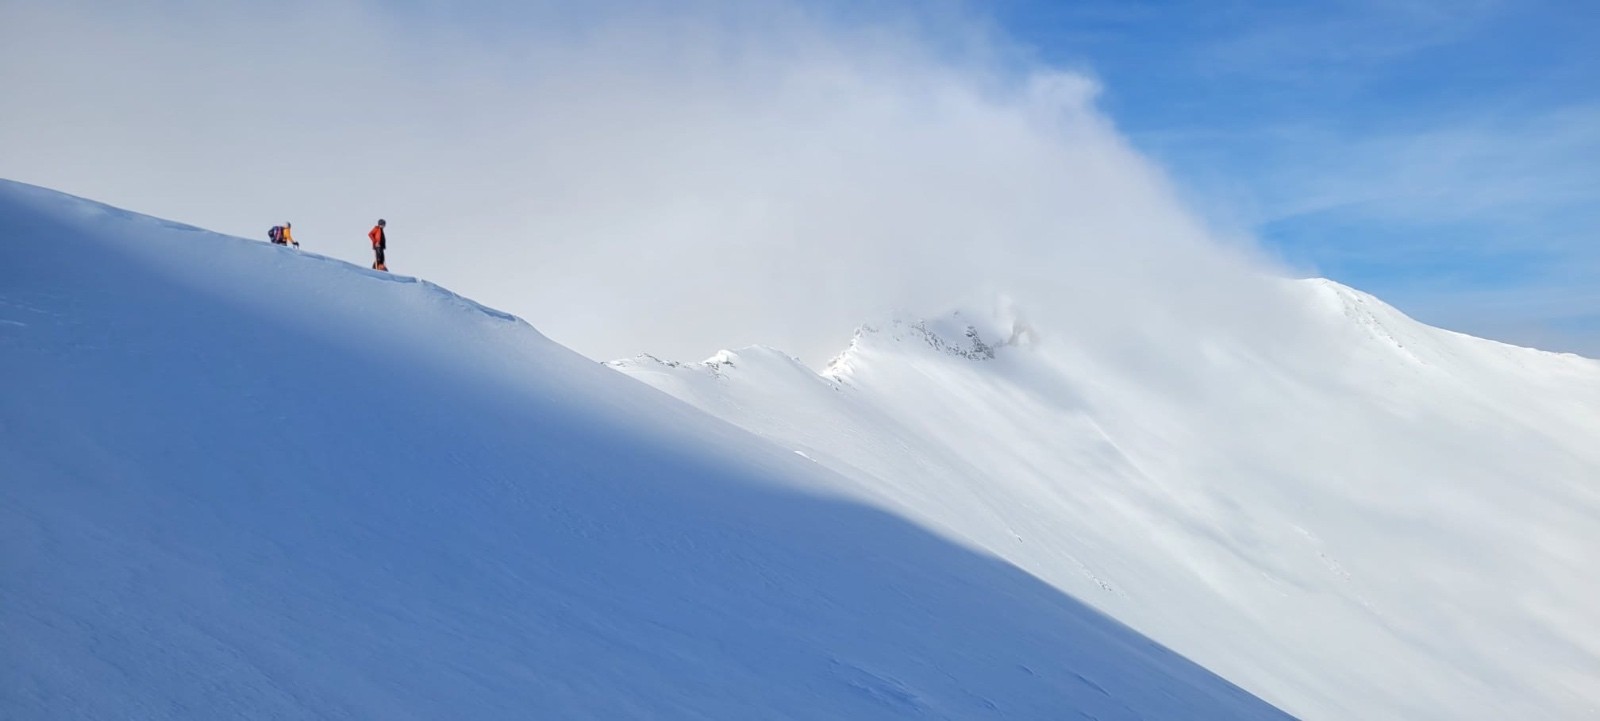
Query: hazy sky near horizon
636	178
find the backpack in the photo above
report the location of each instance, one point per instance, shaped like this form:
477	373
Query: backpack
276	234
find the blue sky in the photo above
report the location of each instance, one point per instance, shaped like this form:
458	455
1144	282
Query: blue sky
1442	155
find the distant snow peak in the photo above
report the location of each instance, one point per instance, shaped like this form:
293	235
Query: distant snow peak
1376	319
974	336
722	359
966	342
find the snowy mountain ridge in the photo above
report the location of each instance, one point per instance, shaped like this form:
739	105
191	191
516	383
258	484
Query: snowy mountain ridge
977	333
237	480
241	480
1370	518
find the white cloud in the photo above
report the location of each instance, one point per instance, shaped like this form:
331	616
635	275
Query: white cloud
627	180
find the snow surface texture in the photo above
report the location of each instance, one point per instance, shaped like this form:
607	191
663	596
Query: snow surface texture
1373	519
241	481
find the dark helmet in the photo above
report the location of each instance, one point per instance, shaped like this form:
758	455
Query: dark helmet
288	224
381	223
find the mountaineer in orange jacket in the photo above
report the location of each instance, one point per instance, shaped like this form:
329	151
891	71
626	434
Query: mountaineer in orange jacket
380	241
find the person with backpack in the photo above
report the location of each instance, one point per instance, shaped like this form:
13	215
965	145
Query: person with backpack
281	235
380	241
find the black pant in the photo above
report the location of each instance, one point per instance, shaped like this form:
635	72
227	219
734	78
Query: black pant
377	252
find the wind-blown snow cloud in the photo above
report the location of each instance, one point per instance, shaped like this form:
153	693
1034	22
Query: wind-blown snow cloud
626	179
1442	155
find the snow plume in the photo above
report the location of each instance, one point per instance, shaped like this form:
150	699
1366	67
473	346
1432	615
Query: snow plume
625	178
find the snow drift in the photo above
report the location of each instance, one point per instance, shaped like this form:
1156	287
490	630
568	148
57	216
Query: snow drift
1357	517
241	481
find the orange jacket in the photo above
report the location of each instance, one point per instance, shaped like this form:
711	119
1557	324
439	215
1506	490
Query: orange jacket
288	239
376	235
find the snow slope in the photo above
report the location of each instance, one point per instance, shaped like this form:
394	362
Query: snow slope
241	481
1367	518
